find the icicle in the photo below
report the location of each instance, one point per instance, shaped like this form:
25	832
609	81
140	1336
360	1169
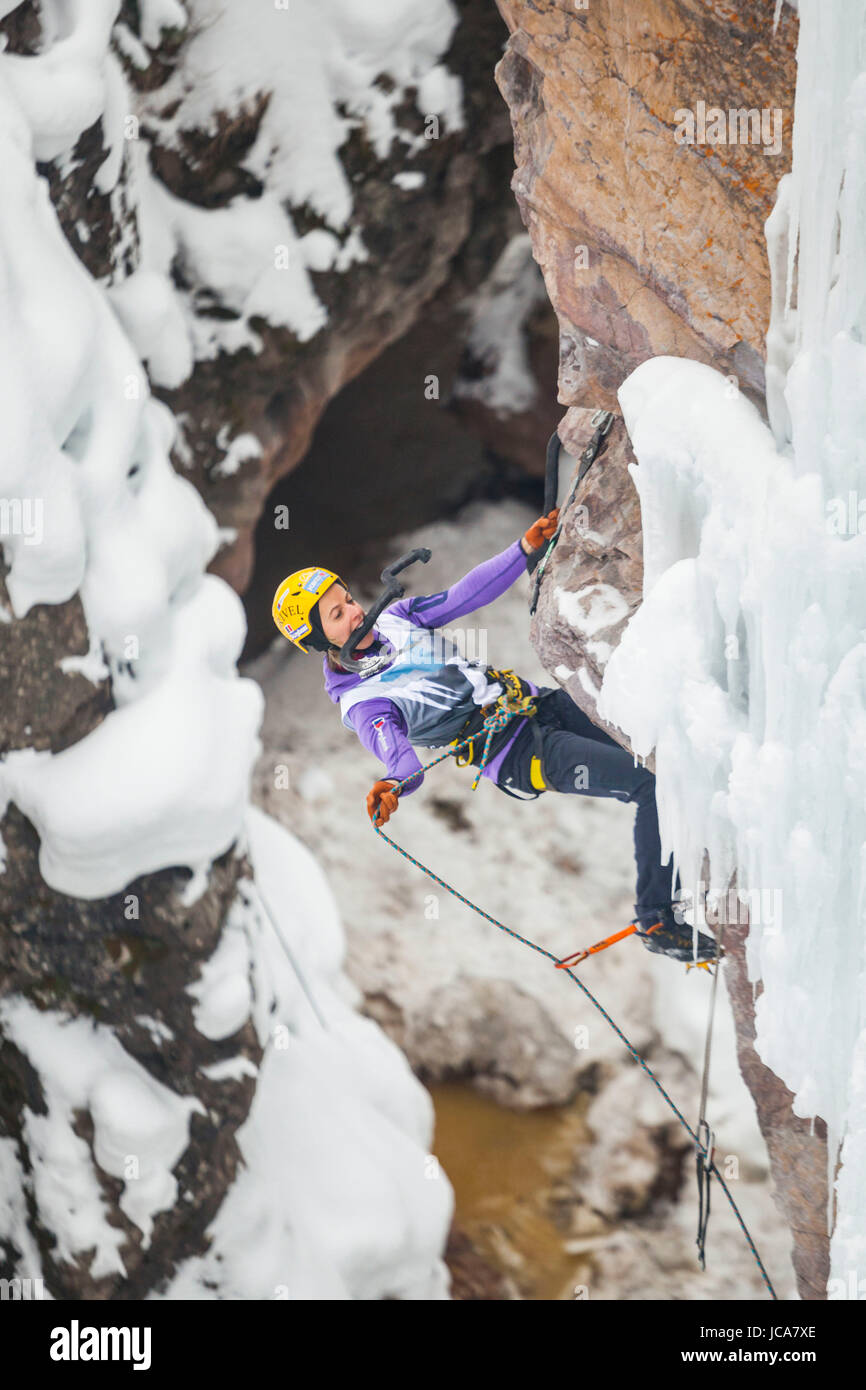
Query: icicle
832	1161
781	329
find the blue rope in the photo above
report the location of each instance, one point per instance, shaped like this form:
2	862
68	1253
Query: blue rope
495	721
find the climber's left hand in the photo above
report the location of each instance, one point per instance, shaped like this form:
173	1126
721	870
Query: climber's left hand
381	802
539	532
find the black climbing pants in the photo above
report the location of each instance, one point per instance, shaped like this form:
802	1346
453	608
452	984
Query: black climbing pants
580	758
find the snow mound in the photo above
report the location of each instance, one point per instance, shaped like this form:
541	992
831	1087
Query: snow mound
339	1196
326	68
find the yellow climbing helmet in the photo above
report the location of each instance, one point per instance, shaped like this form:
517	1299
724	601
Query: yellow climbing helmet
293	604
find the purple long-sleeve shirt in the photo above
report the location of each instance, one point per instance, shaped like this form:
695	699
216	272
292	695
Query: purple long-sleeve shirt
379	724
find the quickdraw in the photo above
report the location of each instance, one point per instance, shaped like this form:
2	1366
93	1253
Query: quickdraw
704	1153
579	956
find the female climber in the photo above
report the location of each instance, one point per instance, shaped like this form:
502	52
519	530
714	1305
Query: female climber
406	683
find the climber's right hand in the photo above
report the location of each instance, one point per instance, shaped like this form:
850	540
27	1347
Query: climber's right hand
539	532
381	801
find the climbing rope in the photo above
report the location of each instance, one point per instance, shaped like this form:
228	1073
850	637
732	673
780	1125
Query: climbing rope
287	949
704	1152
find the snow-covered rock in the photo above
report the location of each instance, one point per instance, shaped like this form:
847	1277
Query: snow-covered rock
161	1054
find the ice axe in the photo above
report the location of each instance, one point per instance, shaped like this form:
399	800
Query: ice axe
393	590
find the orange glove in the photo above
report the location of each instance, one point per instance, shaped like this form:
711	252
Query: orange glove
541	530
382	800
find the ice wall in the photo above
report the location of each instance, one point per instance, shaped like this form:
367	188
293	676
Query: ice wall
745	667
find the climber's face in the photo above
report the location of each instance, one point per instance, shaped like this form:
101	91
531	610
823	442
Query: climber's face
340	615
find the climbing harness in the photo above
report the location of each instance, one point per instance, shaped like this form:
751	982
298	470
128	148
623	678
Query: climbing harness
517	701
494	719
702	1146
601	421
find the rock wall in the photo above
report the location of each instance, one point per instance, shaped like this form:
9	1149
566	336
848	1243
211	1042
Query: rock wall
594	579
96	960
89	960
431	234
649	246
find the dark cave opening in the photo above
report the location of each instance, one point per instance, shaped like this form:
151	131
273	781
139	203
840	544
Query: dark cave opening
384	460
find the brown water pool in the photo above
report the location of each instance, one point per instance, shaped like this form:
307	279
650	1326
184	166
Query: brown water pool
513	1178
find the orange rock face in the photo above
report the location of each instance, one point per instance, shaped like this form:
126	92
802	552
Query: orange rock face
645	208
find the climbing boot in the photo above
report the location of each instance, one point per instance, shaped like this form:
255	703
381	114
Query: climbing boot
662	934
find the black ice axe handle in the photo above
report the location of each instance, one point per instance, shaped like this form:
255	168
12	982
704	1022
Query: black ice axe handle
393	589
551	487
601	421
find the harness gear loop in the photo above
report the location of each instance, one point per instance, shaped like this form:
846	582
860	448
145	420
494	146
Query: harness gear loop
536	773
